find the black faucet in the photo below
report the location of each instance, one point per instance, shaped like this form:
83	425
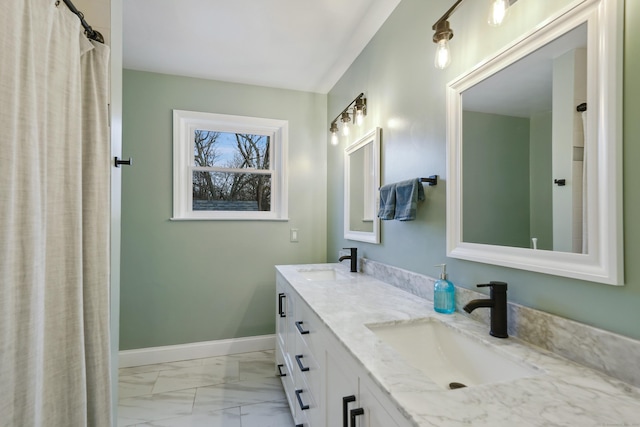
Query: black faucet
498	305
353	257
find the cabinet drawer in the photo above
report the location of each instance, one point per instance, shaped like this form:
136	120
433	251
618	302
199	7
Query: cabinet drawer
306	366
308	328
308	406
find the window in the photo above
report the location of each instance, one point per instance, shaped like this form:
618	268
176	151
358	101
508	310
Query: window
229	167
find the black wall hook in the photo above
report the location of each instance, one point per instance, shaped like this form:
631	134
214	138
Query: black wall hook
117	162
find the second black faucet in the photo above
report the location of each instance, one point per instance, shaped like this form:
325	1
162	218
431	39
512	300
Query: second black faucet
497	302
353	257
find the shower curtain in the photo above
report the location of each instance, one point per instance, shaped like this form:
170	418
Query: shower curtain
54	220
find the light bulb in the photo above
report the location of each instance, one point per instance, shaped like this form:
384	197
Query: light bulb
497	12
345	119
334	138
359	117
443	56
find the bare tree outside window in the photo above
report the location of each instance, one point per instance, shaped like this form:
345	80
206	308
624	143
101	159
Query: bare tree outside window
231	171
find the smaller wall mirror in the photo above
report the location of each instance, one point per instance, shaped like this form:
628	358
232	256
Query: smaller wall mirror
534	180
361	183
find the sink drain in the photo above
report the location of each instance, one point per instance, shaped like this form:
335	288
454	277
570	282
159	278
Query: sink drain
455	385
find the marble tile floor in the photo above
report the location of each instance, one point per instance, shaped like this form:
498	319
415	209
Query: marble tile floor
239	390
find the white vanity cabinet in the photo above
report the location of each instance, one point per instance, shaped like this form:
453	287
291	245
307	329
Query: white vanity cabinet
317	372
352	399
298	337
284	312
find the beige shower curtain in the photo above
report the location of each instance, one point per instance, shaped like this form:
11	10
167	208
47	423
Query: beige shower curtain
54	219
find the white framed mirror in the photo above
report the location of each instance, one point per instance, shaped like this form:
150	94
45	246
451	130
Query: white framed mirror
361	183
534	183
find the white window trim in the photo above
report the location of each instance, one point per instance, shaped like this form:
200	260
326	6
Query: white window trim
184	125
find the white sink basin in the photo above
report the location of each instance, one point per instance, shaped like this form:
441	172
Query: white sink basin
322	274
448	356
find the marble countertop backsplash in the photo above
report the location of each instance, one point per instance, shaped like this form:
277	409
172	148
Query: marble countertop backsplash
588	377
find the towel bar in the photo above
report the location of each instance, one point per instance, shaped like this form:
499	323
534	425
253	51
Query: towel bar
432	180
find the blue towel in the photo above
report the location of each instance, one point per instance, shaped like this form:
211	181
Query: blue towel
387	202
407	195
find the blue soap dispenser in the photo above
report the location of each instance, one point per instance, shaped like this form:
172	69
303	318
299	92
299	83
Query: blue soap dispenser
444	300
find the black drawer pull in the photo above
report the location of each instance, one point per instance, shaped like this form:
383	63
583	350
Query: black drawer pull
302	367
281	311
345	409
280	373
354	413
302	405
299	326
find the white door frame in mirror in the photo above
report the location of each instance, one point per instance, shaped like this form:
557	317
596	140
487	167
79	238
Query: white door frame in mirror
603	262
372	138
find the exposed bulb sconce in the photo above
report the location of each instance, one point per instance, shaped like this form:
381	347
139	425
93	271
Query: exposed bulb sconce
356	116
441	37
334	133
345	119
444	33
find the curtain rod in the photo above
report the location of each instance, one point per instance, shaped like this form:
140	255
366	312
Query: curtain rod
88	31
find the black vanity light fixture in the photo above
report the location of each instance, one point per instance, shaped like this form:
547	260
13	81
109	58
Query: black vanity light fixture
444	33
349	114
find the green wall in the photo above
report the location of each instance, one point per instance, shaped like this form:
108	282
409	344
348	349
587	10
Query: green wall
191	281
495	164
541	178
406	97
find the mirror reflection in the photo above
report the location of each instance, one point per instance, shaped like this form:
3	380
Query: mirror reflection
361	191
362	166
523	156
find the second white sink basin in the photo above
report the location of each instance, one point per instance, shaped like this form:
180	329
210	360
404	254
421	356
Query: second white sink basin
448	357
325	274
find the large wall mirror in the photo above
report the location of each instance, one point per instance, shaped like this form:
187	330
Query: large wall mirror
361	183
534	146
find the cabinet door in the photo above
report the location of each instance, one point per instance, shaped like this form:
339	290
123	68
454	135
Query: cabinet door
341	392
281	313
374	413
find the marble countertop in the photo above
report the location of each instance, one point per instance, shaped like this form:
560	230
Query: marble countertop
562	394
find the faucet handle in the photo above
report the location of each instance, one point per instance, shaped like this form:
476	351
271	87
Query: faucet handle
495	286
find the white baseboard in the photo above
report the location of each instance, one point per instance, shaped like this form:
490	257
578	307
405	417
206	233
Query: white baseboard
196	350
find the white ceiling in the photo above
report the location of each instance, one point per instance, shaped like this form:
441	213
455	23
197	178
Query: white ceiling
524	88
294	44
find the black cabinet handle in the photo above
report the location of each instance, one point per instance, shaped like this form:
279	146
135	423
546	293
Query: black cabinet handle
354	413
299	425
300	365
345	409
299	326
281	312
280	373
302	405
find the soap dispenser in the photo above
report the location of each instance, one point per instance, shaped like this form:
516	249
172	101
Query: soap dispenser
444	300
